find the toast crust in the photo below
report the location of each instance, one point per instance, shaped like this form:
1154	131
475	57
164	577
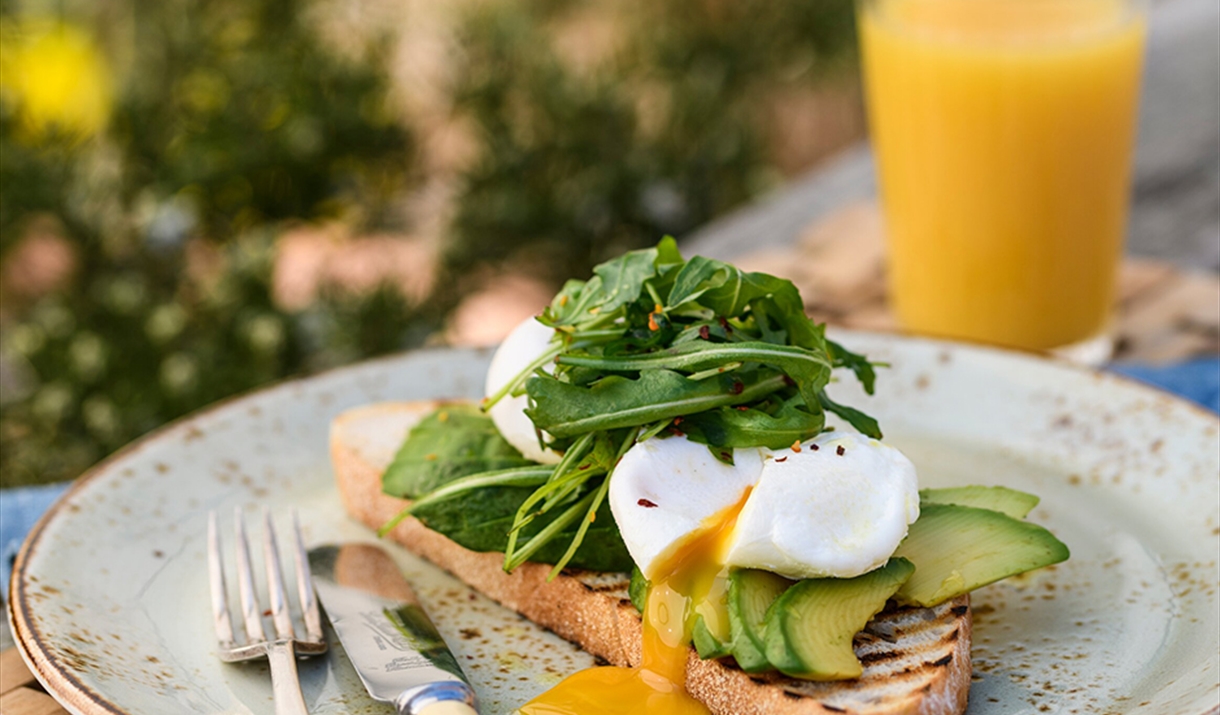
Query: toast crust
916	660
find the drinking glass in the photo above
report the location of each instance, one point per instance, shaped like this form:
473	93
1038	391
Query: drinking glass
1003	133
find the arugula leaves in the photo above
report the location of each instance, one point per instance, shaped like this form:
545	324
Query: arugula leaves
650	343
773	428
468	483
566	410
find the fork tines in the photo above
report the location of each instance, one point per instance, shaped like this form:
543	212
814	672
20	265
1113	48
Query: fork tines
256	643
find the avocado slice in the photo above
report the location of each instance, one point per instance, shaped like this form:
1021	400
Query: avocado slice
710	641
707	644
711	631
809	629
1002	499
751	593
957	549
637	591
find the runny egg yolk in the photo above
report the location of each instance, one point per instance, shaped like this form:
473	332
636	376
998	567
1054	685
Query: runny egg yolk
693	575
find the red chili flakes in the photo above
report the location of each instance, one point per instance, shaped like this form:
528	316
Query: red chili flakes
738	388
814	447
728	329
583	467
704	332
742	408
796	446
678	420
676	432
647	503
726	456
782	459
840	451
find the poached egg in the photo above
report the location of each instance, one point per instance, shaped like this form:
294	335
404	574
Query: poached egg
522	346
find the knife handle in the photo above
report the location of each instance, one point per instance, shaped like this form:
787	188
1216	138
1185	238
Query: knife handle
448	707
446	697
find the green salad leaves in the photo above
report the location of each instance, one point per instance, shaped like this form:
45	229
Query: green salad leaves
650	345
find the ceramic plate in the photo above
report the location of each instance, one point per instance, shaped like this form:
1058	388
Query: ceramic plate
109	598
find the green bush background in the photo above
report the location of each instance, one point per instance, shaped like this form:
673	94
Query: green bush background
233	120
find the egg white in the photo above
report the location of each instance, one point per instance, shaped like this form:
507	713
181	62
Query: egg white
664	490
838	510
523	345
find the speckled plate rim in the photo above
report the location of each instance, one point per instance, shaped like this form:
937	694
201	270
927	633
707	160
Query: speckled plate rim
77	697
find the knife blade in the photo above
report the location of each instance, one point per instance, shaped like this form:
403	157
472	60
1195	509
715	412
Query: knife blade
396	650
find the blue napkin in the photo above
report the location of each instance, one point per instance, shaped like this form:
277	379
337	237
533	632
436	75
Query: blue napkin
19	511
1197	380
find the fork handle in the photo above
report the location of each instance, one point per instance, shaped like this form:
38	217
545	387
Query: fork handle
285	682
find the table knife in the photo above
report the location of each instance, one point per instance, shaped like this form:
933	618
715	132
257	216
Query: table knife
397	652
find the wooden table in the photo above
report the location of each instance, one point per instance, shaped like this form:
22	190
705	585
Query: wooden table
20	693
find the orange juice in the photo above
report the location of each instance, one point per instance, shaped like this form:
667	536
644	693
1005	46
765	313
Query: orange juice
1003	133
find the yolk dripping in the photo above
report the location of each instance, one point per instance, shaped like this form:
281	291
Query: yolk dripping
692	575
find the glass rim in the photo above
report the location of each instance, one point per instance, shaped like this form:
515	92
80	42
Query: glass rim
1131	12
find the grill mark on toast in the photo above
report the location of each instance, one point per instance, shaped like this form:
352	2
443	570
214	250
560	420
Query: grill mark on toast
877	657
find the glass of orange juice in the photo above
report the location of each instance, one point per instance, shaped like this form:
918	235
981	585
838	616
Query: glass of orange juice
1003	132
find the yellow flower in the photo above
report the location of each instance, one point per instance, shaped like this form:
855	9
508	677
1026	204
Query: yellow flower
57	78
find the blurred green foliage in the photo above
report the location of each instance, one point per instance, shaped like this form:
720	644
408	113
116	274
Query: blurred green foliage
580	165
234	119
241	106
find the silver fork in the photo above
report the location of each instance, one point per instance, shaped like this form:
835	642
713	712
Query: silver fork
282	651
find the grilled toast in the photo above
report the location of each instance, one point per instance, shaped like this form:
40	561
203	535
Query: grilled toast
916	660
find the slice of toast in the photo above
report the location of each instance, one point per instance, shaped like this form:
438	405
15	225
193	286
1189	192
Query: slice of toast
916	660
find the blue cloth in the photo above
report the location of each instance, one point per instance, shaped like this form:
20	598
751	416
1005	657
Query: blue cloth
19	511
1197	380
